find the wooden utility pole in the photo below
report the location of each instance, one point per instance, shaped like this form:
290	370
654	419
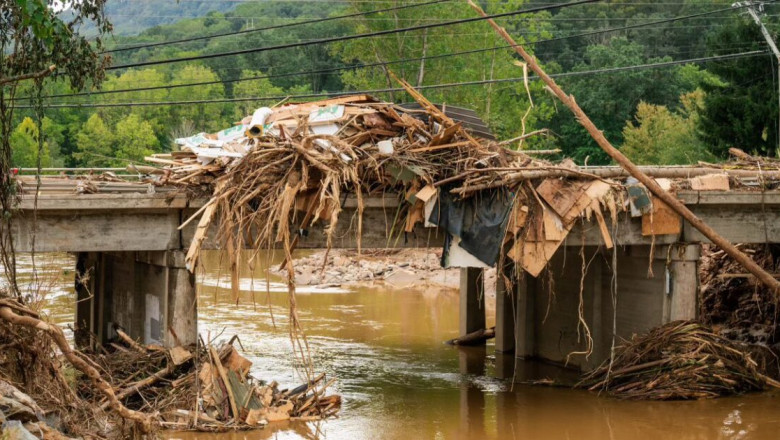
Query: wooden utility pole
746	262
751	10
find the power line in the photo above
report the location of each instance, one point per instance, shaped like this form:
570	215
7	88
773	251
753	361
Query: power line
425	87
352	37
384	63
279	26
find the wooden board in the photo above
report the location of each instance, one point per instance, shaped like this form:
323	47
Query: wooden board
710	182
662	221
560	195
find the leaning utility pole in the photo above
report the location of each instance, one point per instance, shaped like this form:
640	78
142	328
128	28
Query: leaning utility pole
750	7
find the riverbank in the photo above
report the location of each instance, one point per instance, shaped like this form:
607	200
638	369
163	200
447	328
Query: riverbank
386	268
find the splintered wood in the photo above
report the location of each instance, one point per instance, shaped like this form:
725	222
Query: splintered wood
561	203
208	388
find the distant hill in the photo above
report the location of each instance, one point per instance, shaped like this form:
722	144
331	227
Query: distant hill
131	17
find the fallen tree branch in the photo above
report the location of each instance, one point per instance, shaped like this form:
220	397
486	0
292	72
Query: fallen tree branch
475	337
137	386
25	76
7	313
129	341
526	136
746	262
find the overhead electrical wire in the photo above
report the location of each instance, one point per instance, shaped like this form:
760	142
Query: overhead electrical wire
383	63
278	26
424	87
351	37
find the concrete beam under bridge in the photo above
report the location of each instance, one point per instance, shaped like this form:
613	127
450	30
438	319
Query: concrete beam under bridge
149	222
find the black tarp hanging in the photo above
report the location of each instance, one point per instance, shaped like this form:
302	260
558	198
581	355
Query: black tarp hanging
479	222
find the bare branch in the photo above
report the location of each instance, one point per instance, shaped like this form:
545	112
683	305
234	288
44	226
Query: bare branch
25	76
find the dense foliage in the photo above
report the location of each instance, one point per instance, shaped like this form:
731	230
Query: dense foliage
672	114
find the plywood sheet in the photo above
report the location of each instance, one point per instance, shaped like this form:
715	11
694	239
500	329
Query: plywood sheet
662	221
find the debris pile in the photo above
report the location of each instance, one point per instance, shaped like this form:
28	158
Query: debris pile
208	389
680	360
733	302
36	384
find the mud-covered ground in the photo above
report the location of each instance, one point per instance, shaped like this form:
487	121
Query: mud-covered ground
398	268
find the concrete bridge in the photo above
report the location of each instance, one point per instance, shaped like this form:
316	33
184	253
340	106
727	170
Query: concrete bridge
127	239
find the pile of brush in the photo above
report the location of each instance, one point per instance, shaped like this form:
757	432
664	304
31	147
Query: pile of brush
205	389
735	303
680	360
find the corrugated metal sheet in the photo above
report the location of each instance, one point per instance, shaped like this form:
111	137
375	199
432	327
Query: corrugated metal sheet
469	118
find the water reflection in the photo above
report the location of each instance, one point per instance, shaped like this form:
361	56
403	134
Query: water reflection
400	382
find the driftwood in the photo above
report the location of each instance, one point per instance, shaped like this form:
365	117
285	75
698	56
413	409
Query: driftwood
129	341
475	337
137	386
632	169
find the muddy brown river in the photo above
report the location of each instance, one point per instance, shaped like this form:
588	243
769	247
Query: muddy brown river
399	381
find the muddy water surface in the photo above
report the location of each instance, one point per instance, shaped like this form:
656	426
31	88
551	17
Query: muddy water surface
399	381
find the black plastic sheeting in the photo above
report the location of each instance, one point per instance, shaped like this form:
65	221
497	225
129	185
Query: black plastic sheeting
480	222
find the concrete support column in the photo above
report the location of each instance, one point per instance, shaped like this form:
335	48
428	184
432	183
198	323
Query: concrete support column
524	318
472	300
682	283
150	295
89	304
505	314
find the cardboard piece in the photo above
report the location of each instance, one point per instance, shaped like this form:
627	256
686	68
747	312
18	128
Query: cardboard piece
426	193
179	355
561	195
710	182
662	221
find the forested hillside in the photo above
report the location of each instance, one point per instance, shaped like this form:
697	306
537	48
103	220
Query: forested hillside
628	63
131	17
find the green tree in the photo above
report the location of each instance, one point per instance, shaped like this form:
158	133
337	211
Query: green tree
664	137
24	146
255	87
94	143
612	99
133	139
205	117
742	109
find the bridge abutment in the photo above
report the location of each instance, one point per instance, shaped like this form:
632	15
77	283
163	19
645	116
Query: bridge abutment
149	295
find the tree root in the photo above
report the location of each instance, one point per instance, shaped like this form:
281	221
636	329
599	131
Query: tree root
16	314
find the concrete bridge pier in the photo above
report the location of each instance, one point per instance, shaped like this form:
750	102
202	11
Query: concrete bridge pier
472	300
150	295
540	317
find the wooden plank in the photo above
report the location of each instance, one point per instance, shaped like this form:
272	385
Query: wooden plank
710	182
662	221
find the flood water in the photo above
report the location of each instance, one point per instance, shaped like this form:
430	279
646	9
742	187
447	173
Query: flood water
398	381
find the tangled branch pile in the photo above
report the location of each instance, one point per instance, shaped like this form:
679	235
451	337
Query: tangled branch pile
680	360
29	361
734	303
208	388
205	389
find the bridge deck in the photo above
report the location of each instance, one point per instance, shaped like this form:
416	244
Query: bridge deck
142	221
